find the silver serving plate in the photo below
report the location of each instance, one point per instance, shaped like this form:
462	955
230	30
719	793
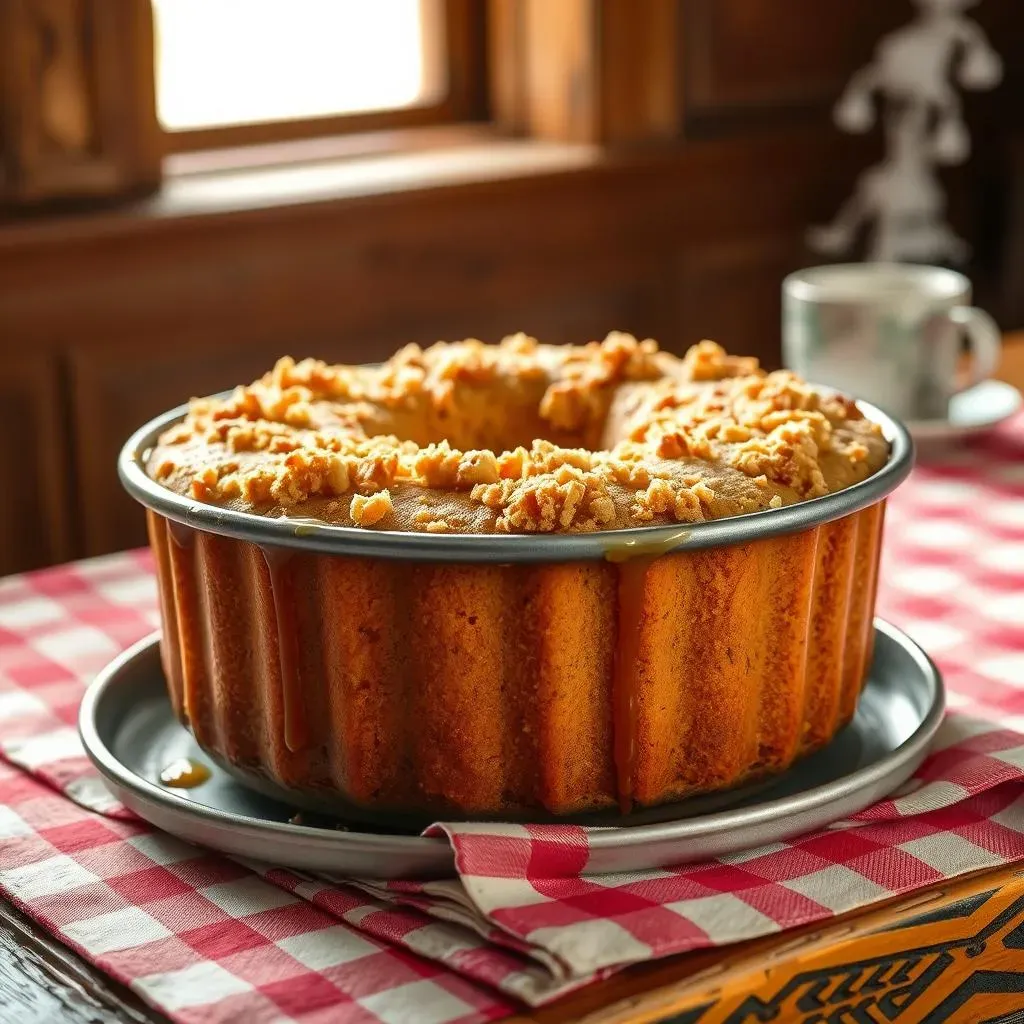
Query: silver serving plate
130	733
505	548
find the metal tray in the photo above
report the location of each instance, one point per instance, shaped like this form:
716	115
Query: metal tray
131	735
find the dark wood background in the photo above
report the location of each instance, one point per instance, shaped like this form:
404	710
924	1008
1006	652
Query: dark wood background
681	151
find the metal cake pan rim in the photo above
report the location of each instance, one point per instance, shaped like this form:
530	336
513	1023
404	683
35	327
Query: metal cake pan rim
505	548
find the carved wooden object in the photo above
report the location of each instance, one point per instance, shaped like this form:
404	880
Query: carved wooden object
77	100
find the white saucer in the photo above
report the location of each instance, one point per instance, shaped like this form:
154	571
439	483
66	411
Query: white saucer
974	410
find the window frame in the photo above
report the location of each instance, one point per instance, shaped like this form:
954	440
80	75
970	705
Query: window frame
536	70
464	36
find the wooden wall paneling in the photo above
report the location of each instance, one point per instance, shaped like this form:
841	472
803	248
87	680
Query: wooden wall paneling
560	53
750	63
36	494
640	71
1011	285
414	261
122	51
545	68
1002	21
731	291
506	66
585	70
758	64
465	42
77	99
410	259
403	258
632	71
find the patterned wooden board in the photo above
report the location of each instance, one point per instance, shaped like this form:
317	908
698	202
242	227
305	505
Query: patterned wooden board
952	953
964	960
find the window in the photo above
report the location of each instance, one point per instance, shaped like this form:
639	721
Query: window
230	72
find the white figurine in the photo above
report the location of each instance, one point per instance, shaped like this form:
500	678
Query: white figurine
903	199
924	128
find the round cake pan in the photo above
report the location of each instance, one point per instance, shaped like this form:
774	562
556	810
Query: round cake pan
131	734
505	548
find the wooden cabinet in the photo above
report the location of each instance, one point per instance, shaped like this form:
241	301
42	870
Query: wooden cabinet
37	523
773	60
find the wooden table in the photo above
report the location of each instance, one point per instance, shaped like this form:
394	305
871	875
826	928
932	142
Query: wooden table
1012	366
901	940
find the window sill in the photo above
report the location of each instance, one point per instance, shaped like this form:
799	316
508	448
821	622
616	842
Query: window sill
211	185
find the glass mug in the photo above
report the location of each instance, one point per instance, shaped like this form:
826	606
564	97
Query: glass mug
890	333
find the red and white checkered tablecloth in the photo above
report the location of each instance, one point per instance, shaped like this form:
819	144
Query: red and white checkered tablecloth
208	939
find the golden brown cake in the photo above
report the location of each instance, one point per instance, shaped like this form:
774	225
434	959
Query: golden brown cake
447	688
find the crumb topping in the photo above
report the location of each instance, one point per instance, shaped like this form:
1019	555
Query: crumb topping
369	511
702	436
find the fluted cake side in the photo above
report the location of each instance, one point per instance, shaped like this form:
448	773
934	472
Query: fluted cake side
444	689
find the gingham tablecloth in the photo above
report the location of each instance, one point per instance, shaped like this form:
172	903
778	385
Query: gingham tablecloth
209	939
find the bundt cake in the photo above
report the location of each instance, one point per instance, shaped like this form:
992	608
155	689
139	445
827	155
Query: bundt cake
449	688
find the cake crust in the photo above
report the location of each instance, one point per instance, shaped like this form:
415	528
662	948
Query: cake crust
519	437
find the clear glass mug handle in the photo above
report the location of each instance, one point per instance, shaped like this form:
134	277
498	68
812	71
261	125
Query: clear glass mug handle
985	340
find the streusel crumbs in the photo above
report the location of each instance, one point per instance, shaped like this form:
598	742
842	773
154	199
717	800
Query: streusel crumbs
694	438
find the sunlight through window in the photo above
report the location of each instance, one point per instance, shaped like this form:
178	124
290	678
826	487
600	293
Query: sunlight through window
229	62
